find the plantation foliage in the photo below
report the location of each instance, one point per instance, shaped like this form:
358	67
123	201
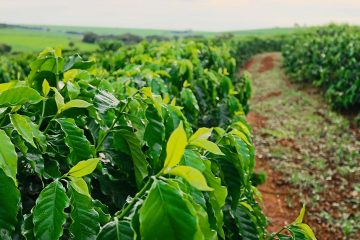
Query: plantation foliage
149	142
329	58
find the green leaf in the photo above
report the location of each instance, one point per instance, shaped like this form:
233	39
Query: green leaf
38	135
85	220
57	52
207	145
244	221
300	218
48	213
59	99
243	127
216	198
8	156
154	135
79	185
27	227
6	86
80	148
35	158
175	147
193	176
201	133
207	232
165	214
83	168
22	126
103	211
77	62
190	103
307	230
45	87
104	101
19	96
9	205
139	159
241	135
116	230
193	159
231	177
76	103
298	233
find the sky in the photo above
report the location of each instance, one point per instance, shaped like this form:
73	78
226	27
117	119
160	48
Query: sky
206	15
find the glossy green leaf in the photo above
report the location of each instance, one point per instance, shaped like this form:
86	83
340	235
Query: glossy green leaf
27	227
298	233
216	198
22	126
243	127
175	147
9	205
37	134
193	159
85	220
116	230
8	156
103	212
207	232
166	211
190	103
7	85
80	148
307	230
59	99
139	159
19	96
45	87
84	168
79	185
48	214
77	62
207	145
104	101
201	133
245	223
300	218
193	176
154	134
240	135
76	103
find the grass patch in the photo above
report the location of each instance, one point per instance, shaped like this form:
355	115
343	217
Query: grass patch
26	40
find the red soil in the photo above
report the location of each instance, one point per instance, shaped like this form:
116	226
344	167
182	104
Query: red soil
267	63
273	190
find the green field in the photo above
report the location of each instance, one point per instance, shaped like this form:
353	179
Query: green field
26	40
265	31
32	40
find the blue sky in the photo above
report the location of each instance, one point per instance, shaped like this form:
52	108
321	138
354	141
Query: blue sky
209	15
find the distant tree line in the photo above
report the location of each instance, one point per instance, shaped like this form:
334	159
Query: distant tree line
126	38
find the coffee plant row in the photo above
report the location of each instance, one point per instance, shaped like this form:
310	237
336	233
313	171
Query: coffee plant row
150	142
246	47
329	58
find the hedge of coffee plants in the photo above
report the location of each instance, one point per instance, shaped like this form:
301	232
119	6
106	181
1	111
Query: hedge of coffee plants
13	67
329	58
150	142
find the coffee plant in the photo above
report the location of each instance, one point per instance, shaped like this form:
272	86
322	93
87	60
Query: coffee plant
150	142
327	57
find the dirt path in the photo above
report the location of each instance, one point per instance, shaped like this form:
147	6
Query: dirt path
309	153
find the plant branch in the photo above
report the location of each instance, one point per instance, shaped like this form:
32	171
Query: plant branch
135	199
